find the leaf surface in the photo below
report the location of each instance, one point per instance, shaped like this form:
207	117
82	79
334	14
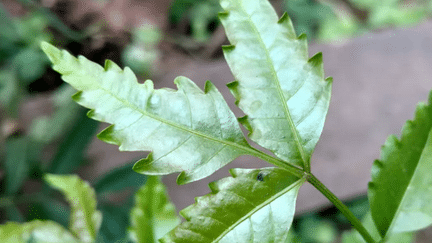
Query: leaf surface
282	92
353	236
400	191
188	130
153	215
255	205
84	220
35	231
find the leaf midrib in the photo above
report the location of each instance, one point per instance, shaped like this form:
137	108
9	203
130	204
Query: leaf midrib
280	93
259	207
409	183
246	149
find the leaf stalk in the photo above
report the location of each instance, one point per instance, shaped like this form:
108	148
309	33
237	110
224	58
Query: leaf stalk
342	207
299	172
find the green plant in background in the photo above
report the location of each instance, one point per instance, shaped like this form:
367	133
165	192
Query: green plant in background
21	60
142	55
200	13
394	12
285	98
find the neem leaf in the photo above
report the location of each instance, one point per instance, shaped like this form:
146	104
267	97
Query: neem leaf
400	193
85	220
153	215
35	231
353	236
188	130
255	205
282	92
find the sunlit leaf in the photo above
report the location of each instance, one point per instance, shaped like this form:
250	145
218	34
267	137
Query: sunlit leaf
85	220
255	205
400	192
282	91
153	215
188	130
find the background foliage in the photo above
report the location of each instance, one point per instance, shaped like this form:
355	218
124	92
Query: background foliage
24	74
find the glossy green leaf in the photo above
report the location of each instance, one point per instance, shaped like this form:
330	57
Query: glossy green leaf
85	220
188	130
153	215
400	192
255	205
353	236
35	231
282	92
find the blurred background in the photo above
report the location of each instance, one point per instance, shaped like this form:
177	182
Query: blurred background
379	53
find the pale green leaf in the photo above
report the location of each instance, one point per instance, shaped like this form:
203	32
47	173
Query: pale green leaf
255	205
188	130
353	236
400	192
84	220
153	215
282	92
35	231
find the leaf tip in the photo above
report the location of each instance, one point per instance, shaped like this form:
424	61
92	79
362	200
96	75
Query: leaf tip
317	64
316	60
234	91
77	96
107	135
140	165
51	51
110	65
228	48
183	178
245	122
209	86
223	15
284	18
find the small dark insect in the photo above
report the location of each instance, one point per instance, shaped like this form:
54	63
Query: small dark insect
260	177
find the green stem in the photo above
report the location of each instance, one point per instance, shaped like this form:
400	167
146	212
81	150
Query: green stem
344	209
278	162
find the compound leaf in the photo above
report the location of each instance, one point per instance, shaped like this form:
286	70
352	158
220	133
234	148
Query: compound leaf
153	215
188	130
282	92
84	220
35	231
400	190
255	205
